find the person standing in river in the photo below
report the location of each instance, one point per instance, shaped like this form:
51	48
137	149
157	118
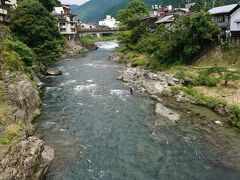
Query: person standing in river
131	90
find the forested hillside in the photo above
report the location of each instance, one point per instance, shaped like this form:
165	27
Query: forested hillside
94	10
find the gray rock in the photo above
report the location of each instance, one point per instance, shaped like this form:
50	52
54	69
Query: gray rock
181	98
23	98
1	131
219	123
165	112
114	57
152	76
26	160
53	72
221	110
155	97
153	87
120	77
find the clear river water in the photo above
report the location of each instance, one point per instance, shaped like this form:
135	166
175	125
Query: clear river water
99	131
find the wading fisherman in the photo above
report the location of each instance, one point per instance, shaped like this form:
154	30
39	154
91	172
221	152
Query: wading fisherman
131	90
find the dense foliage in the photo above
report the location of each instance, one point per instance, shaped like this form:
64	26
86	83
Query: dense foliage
32	24
129	22
49	4
199	5
13	53
184	40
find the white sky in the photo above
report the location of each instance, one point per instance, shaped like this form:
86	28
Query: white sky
78	2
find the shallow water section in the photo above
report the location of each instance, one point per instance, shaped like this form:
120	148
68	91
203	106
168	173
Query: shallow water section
99	131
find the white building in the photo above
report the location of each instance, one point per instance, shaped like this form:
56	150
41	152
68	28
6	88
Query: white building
5	5
87	26
228	18
109	22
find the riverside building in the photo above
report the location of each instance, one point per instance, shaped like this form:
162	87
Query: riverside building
67	22
5	6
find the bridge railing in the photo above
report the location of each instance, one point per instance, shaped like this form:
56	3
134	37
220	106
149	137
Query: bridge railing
97	30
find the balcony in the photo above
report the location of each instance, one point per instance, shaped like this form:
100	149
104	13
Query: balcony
3	11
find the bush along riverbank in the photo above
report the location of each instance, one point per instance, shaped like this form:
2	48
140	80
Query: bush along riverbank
171	82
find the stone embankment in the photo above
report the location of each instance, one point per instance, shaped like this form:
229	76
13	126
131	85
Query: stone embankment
26	157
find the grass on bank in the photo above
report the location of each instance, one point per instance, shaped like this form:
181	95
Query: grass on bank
224	56
212	102
135	59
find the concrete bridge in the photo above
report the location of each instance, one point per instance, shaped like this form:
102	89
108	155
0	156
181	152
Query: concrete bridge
83	32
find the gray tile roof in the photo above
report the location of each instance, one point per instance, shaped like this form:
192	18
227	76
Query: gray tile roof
222	9
165	19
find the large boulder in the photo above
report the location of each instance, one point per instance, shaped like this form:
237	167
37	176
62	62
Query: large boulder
23	98
152	86
114	57
168	113
26	160
132	74
53	72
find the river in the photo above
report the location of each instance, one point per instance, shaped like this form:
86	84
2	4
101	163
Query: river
99	131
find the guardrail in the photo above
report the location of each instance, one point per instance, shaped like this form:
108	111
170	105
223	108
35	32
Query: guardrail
97	30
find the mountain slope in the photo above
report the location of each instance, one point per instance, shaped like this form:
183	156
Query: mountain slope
94	10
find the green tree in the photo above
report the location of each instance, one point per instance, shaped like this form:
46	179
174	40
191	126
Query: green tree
186	39
33	25
219	3
9	59
199	5
129	18
49	4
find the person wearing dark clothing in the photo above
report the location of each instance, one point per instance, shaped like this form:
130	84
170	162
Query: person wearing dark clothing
131	90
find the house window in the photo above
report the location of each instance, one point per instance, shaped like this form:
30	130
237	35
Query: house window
218	19
73	29
62	29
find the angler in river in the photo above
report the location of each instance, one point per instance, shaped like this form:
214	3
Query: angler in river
131	90
100	131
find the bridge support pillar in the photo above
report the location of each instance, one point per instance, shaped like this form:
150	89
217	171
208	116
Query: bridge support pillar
98	35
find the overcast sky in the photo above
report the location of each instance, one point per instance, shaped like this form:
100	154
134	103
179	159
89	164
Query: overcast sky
78	2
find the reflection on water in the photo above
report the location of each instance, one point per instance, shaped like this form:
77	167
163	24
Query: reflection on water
100	131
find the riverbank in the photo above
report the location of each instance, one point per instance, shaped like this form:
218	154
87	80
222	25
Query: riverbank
191	84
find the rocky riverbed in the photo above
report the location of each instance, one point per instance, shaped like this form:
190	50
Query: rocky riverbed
155	84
